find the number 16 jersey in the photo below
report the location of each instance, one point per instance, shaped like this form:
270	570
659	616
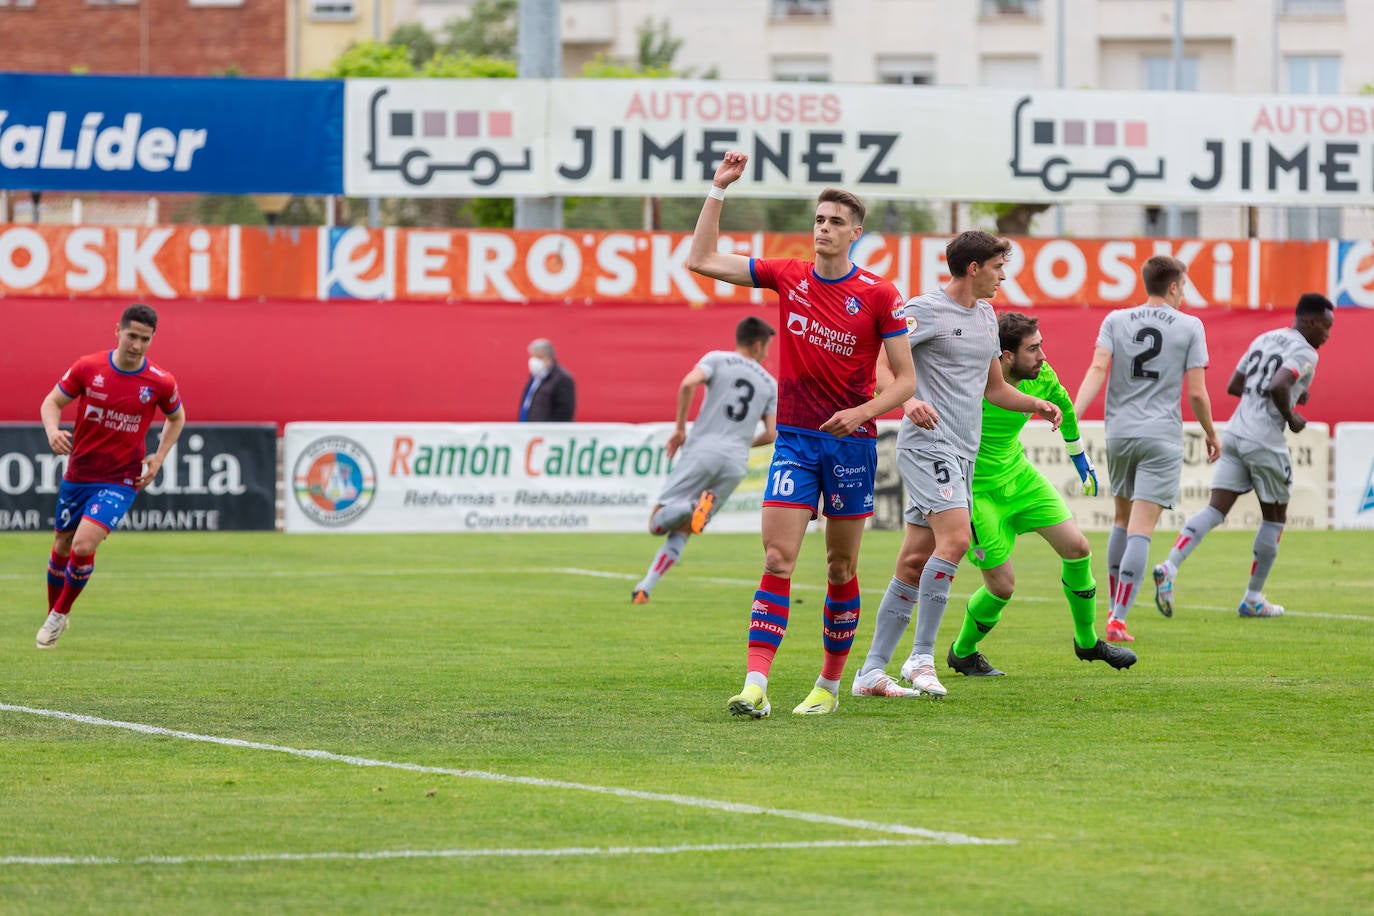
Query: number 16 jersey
1152	349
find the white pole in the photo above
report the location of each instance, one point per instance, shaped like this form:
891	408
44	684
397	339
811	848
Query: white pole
1059	83
1174	224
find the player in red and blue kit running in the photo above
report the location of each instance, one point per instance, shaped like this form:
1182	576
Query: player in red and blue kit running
117	393
837	319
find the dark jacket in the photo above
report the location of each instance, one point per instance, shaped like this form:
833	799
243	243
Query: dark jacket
554	400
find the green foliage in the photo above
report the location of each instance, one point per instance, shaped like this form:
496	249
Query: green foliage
371	59
465	66
419	42
220	210
1009	218
487	31
657	47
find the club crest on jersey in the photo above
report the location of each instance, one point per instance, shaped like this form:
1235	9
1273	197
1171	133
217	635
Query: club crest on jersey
145	394
851	305
910	323
946	492
97	381
804	286
836	501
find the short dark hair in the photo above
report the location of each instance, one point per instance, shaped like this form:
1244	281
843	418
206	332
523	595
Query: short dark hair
837	196
143	314
1313	304
751	330
974	246
1014	327
1160	272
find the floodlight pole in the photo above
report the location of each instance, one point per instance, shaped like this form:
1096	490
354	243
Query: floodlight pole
539	48
1059	82
1174	224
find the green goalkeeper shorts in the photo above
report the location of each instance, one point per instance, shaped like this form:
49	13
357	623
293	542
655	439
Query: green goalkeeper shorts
1024	502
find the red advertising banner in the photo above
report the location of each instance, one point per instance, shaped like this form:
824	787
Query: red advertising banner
599	268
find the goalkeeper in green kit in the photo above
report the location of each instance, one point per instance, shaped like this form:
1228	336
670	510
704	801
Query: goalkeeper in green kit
1012	497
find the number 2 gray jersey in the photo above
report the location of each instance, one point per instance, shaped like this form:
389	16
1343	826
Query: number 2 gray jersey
1281	350
952	347
1152	349
739	393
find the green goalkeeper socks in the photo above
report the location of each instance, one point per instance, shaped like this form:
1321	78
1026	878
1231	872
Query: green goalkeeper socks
983	612
1081	590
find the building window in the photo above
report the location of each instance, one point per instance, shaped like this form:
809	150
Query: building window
17	4
801	69
1156	223
1316	75
213	3
1011	8
333	10
1159	73
906	71
1313	7
786	9
1010	72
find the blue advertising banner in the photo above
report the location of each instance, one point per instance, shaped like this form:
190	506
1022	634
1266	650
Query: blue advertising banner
227	135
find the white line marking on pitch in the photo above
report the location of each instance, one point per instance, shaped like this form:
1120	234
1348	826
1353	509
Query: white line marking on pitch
684	800
458	853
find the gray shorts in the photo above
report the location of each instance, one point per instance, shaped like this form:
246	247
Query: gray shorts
1145	469
1245	465
702	470
936	479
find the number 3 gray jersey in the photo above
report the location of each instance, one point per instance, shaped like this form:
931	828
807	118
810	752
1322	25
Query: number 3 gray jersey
1282	350
1152	348
739	393
952	347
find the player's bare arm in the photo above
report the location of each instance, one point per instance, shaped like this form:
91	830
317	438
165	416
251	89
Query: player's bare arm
1201	404
918	412
59	439
172	426
1092	380
1281	393
1236	387
686	389
999	392
769	431
702	257
897	354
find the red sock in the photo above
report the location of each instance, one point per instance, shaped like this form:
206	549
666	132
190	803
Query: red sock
768	621
79	569
841	619
57	576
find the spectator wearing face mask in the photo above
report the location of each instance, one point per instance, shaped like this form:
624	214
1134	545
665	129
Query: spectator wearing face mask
550	395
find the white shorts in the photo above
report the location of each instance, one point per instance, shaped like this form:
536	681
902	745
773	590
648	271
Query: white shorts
936	479
1246	465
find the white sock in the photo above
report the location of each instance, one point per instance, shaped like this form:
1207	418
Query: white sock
832	686
756	678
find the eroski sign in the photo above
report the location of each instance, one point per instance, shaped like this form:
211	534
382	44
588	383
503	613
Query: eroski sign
230	136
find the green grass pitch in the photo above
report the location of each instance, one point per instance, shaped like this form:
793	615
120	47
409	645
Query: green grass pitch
479	697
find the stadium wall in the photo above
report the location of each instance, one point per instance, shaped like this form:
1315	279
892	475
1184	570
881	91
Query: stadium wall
292	360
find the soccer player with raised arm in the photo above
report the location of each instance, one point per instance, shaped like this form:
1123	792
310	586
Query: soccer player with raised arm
117	393
1012	497
740	394
1271	378
1144	354
837	318
952	334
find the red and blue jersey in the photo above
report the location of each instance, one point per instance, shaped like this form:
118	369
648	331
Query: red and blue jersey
114	411
834	330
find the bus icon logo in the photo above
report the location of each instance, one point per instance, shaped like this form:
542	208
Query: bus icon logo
1059	151
421	143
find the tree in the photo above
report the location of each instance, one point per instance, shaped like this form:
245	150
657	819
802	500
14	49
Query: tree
419	42
488	31
370	59
1011	219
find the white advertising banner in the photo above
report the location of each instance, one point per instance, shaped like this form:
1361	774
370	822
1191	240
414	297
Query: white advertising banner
464	138
1354	475
493	477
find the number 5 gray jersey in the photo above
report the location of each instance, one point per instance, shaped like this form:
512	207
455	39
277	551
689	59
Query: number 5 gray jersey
1152	348
739	393
1281	350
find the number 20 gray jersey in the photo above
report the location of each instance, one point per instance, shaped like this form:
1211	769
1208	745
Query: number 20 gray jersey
1152	348
1281	350
739	393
